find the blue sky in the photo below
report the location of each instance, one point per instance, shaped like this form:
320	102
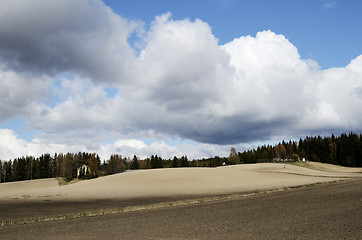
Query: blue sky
176	77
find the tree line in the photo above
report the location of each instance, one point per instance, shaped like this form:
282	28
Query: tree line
80	165
345	150
47	166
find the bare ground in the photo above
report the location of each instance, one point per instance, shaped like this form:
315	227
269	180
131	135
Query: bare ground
219	209
323	211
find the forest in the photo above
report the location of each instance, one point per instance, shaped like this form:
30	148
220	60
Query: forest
344	150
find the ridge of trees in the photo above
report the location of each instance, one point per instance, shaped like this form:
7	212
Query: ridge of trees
345	150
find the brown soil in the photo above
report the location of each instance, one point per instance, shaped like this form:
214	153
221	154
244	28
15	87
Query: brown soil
323	211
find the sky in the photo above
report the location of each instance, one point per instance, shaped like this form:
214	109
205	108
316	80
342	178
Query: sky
176	78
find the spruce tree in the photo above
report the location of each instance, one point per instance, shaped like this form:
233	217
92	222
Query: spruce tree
134	164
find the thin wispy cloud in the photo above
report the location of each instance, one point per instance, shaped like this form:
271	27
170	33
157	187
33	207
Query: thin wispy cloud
331	5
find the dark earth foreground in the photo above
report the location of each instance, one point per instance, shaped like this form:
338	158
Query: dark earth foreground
324	211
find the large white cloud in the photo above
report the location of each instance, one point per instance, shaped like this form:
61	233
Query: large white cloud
339	99
182	83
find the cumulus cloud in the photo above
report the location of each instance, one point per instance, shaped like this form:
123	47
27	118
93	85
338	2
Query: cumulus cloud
19	91
339	99
81	105
182	83
50	36
11	146
250	89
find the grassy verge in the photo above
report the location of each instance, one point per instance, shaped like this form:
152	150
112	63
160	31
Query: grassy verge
307	165
63	181
326	167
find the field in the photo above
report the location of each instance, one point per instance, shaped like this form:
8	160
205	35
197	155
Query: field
189	203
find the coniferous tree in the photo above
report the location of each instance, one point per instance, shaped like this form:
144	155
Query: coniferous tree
148	163
184	161
134	164
175	162
156	162
44	166
1	172
14	170
20	169
8	171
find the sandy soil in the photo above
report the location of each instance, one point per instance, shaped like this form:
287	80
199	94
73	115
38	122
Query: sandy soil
177	182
